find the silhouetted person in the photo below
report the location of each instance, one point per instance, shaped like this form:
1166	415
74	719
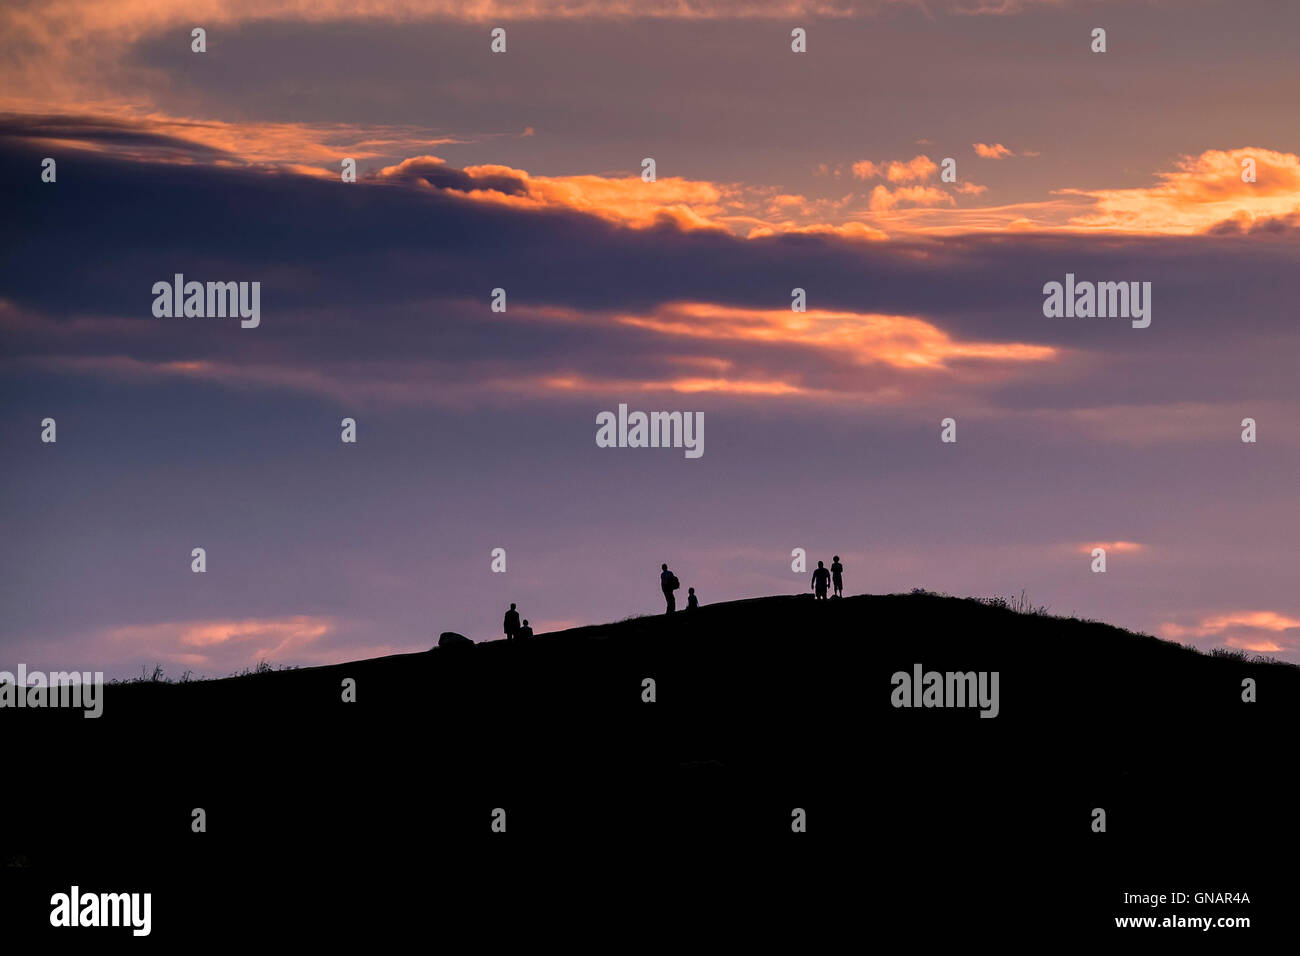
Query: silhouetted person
821	579
837	571
511	623
691	602
668	583
525	631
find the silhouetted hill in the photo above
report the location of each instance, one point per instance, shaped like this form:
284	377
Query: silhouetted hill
761	706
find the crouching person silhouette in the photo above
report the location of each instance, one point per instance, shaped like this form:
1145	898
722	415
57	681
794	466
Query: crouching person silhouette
691	602
525	631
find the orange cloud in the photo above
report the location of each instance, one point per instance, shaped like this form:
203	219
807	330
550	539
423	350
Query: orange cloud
1262	647
996	151
864	338
883	199
197	643
691	347
915	170
1266	620
690	205
849	230
865	169
1199	193
629	201
689	385
1264	632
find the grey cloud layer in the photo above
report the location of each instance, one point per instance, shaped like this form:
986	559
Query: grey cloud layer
399	273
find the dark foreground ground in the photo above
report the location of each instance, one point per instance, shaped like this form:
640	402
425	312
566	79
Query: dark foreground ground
670	822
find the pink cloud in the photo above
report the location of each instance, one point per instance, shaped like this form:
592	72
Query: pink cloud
1122	547
207	641
1260	631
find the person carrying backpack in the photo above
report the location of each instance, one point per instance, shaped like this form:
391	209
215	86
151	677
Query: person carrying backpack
668	583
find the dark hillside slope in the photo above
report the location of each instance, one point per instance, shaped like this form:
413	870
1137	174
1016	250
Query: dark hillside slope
762	706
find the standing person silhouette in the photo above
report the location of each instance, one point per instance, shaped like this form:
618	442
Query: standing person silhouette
691	602
820	580
511	623
837	579
668	583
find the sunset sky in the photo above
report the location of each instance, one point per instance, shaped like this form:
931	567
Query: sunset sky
522	170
